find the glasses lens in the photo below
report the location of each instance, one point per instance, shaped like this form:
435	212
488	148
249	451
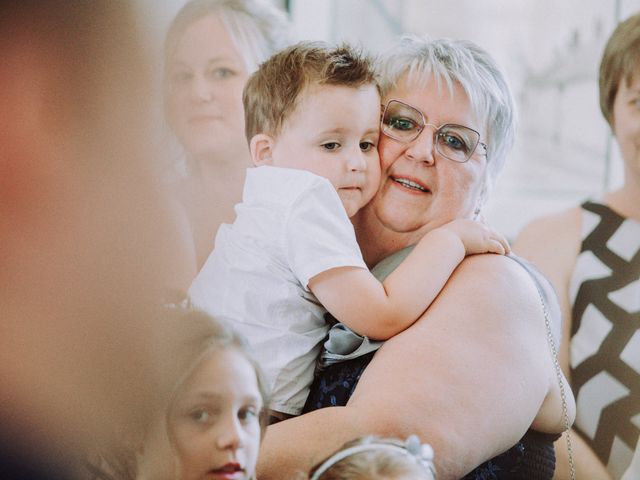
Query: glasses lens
456	142
401	121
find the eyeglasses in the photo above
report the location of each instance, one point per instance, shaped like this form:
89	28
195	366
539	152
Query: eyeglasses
404	123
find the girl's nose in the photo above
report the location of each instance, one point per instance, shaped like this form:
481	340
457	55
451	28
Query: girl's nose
229	435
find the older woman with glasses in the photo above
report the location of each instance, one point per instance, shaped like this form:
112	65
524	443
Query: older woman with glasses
476	376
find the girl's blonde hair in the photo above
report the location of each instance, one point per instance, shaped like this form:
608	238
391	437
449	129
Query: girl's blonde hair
372	457
202	335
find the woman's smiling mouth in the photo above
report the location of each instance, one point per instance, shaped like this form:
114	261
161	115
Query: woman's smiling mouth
410	184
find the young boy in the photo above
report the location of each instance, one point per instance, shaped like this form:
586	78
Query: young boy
312	120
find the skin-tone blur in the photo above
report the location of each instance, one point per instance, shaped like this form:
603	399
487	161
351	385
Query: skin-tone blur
81	266
206	75
214	423
337	143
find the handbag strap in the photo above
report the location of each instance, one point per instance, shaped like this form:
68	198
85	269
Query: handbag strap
536	277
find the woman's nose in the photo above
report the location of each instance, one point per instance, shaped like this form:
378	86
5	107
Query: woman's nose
422	148
201	90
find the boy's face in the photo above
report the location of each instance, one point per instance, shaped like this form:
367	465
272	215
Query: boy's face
333	132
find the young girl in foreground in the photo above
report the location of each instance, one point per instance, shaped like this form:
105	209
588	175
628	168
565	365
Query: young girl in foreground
211	420
373	458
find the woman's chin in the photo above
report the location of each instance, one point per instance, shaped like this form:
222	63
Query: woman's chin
214	153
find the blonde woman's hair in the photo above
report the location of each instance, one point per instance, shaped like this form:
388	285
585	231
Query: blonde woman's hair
257	28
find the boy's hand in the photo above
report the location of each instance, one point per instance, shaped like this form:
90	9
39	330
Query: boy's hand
478	237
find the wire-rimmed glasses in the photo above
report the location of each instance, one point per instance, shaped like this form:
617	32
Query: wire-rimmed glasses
405	123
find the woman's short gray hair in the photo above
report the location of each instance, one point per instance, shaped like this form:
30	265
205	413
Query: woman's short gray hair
463	62
257	28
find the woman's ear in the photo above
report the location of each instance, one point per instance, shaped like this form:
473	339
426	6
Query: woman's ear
261	146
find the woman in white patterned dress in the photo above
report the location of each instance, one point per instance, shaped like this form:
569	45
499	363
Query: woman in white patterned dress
595	267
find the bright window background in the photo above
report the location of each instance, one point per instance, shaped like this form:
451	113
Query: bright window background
550	50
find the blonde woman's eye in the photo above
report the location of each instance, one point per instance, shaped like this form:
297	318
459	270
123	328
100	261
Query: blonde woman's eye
331	145
180	78
221	73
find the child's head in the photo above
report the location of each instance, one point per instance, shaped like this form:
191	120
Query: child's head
317	108
215	417
374	458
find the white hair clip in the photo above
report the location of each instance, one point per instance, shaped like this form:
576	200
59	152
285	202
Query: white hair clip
422	453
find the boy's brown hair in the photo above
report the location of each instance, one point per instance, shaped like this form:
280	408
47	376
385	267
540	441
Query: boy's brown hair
272	92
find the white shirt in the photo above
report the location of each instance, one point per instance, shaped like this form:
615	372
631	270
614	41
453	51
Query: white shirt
290	226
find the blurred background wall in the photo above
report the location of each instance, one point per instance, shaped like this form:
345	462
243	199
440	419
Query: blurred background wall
550	50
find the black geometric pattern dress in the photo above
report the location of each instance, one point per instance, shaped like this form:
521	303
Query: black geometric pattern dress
605	336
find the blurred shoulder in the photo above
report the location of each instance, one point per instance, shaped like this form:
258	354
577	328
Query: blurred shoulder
552	242
565	223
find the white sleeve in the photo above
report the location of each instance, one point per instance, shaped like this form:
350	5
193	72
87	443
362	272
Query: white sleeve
318	235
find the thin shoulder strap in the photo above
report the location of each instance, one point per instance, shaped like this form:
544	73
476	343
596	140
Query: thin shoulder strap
551	308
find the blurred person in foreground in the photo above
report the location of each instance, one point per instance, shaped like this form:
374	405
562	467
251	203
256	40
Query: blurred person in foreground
211	48
81	267
595	267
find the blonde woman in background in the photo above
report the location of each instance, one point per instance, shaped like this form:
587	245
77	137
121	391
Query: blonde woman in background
211	48
595	267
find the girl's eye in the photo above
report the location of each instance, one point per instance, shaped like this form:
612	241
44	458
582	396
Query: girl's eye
221	73
200	416
247	414
367	146
331	145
